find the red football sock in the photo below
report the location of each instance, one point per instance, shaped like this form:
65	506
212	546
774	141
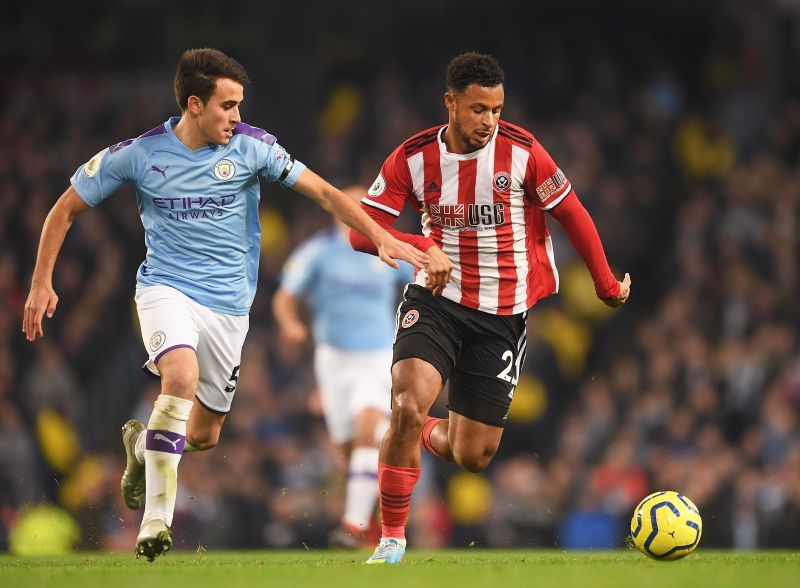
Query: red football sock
425	439
396	486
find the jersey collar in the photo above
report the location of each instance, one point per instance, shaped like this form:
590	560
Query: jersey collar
463	156
170	124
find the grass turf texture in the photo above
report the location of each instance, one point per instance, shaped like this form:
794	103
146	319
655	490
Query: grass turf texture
439	569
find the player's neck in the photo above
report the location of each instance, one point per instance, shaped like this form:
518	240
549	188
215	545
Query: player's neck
454	143
188	133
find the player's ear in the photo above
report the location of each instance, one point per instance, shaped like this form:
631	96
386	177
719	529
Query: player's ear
450	101
194	105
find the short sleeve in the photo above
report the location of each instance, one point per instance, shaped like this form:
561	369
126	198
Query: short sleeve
393	185
276	165
545	180
300	269
104	173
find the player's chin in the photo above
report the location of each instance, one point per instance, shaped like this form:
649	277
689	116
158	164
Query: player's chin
479	141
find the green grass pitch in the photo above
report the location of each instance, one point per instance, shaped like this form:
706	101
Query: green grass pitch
439	569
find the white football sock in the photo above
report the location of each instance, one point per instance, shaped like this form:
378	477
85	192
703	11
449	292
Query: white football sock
164	440
139	448
362	487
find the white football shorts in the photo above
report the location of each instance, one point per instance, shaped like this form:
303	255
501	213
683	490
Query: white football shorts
349	382
169	319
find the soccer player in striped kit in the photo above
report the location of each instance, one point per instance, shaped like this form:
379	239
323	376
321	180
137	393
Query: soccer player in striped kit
484	188
196	180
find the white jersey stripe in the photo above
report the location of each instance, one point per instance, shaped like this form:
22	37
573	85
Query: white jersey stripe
489	293
548	244
416	166
450	237
519	161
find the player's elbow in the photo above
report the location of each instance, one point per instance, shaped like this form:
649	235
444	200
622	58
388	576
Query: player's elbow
360	242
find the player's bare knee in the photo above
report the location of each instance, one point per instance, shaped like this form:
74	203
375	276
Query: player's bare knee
472	460
179	382
408	412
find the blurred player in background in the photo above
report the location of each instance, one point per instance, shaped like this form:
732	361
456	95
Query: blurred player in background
353	301
483	187
196	179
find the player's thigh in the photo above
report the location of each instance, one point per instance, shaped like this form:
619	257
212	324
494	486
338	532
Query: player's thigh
219	355
416	384
472	442
485	376
426	346
336	370
167	322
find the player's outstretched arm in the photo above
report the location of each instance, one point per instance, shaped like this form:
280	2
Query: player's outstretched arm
42	298
286	310
439	267
583	234
338	204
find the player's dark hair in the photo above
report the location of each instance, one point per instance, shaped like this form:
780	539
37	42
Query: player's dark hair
198	71
473	68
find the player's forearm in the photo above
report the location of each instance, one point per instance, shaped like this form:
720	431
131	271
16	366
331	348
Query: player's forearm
351	214
361	243
54	231
583	234
285	309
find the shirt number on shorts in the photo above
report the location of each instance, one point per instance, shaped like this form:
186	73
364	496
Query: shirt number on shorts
505	375
232	381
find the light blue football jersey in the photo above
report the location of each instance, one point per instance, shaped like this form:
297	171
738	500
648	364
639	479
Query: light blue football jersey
199	208
352	295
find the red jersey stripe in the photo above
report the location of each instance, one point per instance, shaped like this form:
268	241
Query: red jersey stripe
501	185
468	239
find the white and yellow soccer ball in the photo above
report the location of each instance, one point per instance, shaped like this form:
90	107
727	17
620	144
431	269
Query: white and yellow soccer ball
666	525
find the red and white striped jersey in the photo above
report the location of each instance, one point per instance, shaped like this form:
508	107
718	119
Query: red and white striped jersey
484	209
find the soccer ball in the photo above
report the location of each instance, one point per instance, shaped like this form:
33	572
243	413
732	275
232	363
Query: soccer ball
666	525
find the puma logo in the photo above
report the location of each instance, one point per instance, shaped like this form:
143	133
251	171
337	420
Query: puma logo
163	172
160	437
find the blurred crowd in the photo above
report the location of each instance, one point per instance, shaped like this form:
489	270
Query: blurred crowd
694	386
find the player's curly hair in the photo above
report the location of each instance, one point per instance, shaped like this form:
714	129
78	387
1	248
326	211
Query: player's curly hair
473	68
198	71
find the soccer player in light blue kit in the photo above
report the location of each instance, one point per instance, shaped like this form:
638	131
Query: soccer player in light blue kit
196	179
352	298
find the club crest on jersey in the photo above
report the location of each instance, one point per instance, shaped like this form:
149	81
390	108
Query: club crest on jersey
93	165
502	181
409	318
157	340
378	186
224	170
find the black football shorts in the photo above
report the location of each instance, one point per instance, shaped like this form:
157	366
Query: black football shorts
480	353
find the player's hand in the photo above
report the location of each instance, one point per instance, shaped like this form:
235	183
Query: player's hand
294	334
624	292
438	269
41	299
391	249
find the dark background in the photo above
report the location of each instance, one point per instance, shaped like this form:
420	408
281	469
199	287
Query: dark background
677	123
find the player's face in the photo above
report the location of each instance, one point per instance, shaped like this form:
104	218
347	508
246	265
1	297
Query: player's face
474	114
220	114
